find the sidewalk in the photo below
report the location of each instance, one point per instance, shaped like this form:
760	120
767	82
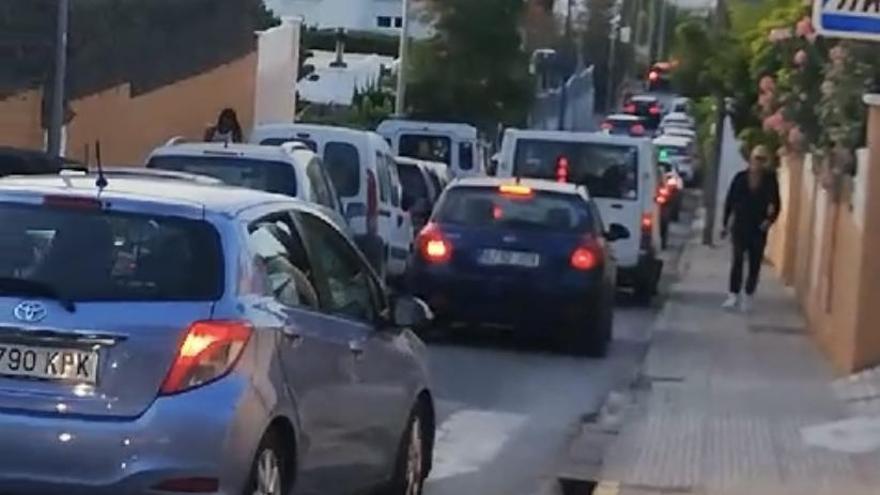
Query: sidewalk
729	401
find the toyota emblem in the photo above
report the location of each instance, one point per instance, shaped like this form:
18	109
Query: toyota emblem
30	311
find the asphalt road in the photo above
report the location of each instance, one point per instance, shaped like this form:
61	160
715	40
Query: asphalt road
507	412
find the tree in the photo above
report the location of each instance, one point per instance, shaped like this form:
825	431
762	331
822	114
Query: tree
474	69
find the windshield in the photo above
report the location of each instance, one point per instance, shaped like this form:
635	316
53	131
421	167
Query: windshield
488	207
608	171
413	181
434	148
100	256
274	177
343	165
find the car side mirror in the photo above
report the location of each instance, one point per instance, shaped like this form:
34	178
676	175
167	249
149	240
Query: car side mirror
617	232
411	312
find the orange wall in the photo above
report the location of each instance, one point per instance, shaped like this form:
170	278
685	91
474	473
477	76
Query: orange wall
20	120
130	127
868	331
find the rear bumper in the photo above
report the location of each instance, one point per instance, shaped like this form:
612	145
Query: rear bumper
525	304
201	433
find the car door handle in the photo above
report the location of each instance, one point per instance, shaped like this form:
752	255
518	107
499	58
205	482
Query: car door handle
292	335
385	213
356	347
617	206
400	220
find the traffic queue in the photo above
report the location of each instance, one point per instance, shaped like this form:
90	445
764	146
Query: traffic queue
282	284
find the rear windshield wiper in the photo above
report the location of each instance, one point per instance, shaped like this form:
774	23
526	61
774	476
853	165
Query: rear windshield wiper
22	287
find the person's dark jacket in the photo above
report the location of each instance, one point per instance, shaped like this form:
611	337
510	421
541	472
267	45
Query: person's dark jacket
751	209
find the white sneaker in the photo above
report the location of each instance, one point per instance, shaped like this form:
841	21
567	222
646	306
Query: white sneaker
731	302
746	303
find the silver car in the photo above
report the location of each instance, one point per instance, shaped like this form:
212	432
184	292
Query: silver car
165	336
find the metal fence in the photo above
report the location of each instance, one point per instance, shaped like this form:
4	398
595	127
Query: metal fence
578	110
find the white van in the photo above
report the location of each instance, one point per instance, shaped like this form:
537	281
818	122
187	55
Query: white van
620	173
292	170
680	151
456	145
362	168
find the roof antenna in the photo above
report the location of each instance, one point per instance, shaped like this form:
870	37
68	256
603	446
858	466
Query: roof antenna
101	182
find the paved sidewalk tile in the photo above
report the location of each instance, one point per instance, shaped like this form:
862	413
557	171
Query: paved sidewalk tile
731	397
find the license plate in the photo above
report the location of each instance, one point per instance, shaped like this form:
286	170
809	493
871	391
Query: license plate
514	258
48	363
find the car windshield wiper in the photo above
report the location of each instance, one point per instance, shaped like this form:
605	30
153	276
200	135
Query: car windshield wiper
23	287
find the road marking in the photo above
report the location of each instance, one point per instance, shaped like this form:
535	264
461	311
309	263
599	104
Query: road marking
607	488
470	439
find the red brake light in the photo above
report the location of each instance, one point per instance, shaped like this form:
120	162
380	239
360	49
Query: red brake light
654	110
72	202
637	130
562	168
372	203
630	108
584	258
208	352
647	221
433	245
671	183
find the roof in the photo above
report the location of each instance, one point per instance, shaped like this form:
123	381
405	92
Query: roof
667	140
458	128
578	137
645	98
236	150
678	116
217	198
405	160
625	117
286	130
537	184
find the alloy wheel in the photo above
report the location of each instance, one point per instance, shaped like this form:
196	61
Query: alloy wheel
268	475
415	462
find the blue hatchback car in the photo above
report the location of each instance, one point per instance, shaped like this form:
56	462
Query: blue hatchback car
531	255
162	336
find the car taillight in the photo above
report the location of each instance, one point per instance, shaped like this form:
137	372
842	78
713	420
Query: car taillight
637	130
654	110
663	195
72	202
607	126
433	246
208	352
631	108
372	203
584	258
647	221
562	168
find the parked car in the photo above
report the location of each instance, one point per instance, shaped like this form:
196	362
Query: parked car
456	145
207	339
15	161
622	124
420	190
526	254
680	151
682	105
678	119
292	170
361	166
620	173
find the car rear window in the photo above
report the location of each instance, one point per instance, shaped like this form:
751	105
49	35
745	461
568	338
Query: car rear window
263	175
434	148
607	170
490	208
343	164
414	185
86	255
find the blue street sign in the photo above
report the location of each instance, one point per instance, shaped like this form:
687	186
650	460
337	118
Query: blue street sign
855	19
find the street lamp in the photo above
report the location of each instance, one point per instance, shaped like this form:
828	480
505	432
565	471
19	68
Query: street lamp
400	99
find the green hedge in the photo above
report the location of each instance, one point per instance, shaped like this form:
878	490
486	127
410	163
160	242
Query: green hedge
148	43
355	42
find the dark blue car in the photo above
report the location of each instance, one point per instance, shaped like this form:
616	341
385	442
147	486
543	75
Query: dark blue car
531	255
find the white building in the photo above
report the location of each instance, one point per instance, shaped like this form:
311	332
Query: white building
384	16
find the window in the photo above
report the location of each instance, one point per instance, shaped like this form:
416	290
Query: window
398	22
343	163
322	191
414	185
396	188
384	178
383	21
432	148
275	177
111	256
276	244
608	170
345	286
466	156
485	207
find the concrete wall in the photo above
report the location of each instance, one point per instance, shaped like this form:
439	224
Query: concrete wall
130	127
826	248
277	73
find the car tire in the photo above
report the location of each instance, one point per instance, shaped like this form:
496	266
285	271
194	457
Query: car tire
271	472
413	457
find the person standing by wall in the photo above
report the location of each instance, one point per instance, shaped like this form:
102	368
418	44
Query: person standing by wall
751	208
227	130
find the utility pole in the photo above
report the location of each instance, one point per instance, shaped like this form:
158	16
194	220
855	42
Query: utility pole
710	184
661	37
56	119
610	91
400	99
565	59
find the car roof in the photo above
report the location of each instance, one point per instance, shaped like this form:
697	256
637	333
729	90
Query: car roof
215	198
625	117
644	99
677	116
458	128
266	131
578	137
667	140
536	184
232	150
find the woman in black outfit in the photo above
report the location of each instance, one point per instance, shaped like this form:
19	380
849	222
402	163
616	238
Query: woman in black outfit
751	208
